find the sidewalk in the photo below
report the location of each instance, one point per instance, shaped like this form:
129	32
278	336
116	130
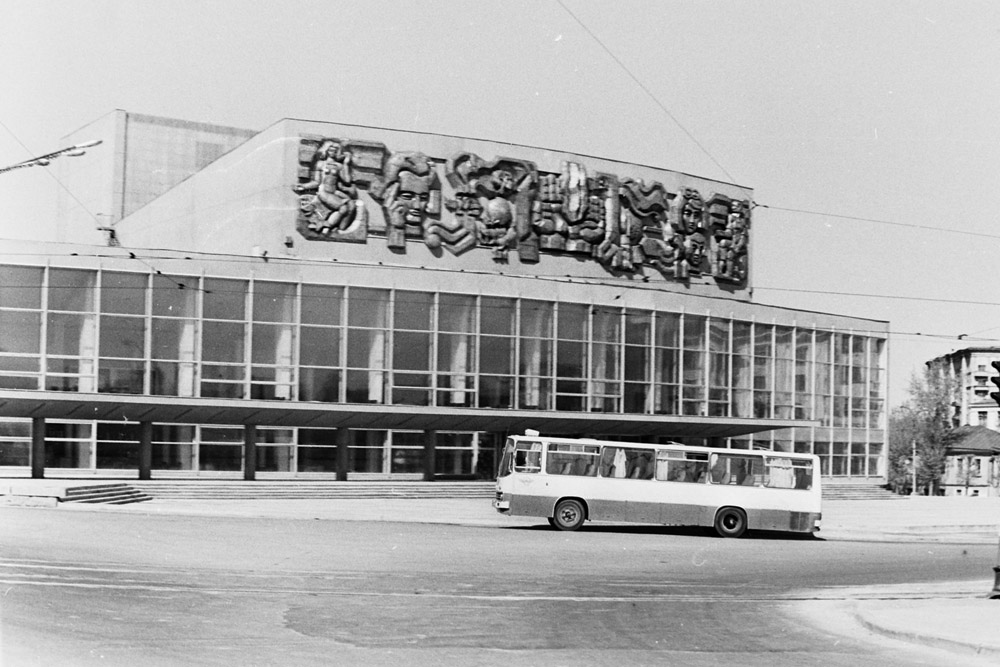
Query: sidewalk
952	616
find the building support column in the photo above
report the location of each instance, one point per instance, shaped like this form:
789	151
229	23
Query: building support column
249	452
430	447
37	448
145	450
343	459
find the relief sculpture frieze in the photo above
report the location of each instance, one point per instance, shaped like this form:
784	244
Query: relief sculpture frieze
357	191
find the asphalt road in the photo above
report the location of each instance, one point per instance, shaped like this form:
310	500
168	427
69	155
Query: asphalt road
89	588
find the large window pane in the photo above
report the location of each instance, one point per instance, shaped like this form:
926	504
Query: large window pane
319	346
20	332
273	344
456	313
175	296
273	302
123	293
367	308
117	376
536	319
174	339
413	310
496	316
21	286
72	290
70	335
572	321
223	341
366	450
319	384
366	348
123	337
317	459
607	325
496	354
411	351
225	299
321	304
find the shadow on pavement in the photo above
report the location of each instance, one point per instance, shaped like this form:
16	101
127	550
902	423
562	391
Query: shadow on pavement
693	531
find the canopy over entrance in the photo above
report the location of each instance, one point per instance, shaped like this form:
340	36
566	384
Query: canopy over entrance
174	410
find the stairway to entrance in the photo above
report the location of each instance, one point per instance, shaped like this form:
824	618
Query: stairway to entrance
302	490
858	492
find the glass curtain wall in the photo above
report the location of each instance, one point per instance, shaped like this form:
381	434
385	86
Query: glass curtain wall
20	328
122	362
69	329
174	336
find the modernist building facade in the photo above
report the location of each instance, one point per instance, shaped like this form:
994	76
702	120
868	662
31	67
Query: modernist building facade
342	302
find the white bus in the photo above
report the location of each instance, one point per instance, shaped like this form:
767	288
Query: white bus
570	481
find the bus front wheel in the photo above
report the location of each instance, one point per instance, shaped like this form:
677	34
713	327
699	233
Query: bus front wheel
569	515
730	522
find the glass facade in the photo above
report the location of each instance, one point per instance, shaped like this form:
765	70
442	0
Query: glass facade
87	330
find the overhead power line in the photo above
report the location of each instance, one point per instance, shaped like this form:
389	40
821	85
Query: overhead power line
909	225
646	90
894	297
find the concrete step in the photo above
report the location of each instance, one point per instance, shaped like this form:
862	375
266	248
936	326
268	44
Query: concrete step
858	492
295	490
111	494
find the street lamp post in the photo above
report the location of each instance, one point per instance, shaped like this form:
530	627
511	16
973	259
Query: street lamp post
44	160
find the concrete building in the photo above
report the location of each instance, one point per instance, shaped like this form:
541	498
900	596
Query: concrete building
971	371
343	302
972	462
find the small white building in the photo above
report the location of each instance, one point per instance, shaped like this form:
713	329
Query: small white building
972	466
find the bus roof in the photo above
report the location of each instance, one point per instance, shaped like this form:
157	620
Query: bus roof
664	446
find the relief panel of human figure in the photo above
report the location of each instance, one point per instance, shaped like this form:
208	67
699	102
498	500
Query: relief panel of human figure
730	222
690	223
410	193
330	208
500	192
652	236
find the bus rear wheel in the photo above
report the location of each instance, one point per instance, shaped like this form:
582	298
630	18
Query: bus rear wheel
730	522
569	515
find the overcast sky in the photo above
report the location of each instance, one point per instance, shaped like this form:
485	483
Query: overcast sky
883	116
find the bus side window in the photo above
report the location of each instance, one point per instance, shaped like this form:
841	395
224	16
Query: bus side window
571	459
614	463
778	473
699	470
720	469
803	474
528	457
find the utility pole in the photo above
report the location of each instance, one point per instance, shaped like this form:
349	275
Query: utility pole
913	467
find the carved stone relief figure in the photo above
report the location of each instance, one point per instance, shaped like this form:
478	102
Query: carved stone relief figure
651	233
730	222
496	228
329	206
690	225
507	187
410	194
459	234
548	220
505	204
605	210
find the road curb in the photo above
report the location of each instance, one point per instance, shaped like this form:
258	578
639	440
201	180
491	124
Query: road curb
912	636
